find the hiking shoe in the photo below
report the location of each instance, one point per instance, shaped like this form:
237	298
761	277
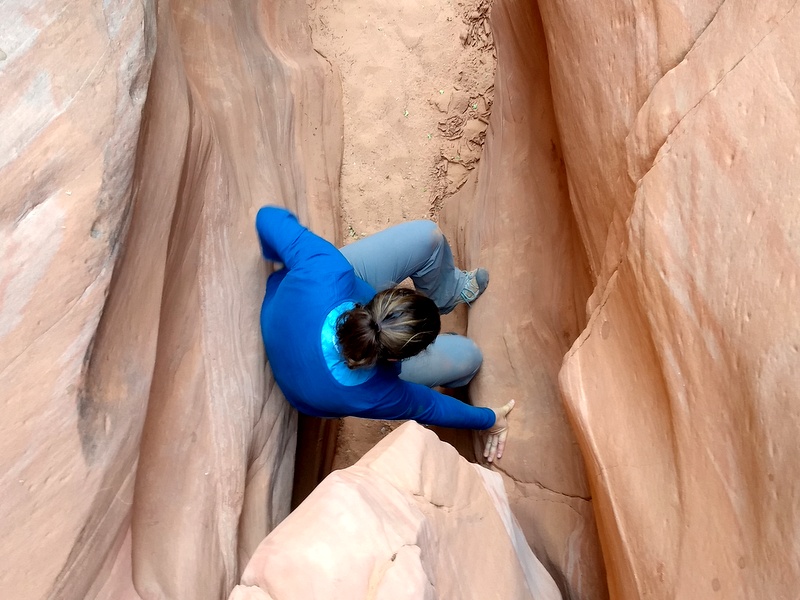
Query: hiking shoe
475	285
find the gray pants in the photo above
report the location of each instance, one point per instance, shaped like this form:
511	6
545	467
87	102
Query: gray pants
419	250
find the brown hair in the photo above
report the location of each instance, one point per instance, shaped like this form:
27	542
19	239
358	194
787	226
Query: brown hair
396	324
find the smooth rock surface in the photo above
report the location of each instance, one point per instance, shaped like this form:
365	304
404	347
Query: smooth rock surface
516	220
130	287
681	136
74	80
411	519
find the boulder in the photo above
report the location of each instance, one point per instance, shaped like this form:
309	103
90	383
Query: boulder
411	519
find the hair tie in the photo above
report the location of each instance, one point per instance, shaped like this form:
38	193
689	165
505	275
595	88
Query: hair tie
375	326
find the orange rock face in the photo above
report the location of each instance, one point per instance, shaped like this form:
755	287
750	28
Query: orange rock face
411	519
636	205
679	137
130	352
683	386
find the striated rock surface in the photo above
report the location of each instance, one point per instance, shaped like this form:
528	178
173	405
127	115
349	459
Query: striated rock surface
130	286
638	193
683	387
217	450
680	138
412	519
516	220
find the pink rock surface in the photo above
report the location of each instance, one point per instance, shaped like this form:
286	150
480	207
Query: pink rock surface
412	519
518	223
74	80
641	159
683	388
243	592
130	287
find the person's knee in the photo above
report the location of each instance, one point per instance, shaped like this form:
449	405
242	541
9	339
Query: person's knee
465	360
470	357
426	225
429	231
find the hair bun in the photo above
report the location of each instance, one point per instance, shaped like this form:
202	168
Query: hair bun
396	324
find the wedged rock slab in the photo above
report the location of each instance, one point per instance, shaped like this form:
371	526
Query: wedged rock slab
411	519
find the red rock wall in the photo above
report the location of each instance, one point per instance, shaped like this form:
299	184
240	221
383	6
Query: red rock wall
140	141
683	386
679	133
518	223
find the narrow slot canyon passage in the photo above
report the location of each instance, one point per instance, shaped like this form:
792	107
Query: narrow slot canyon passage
415	129
417	81
625	171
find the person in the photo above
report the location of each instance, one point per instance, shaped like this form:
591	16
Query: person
344	340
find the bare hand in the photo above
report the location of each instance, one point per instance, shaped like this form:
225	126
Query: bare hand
496	440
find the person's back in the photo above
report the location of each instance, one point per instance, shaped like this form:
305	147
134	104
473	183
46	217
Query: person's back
335	345
315	279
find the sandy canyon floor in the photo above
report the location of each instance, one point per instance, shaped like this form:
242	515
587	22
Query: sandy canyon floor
417	79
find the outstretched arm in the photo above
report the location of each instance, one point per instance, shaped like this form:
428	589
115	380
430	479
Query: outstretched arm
418	402
283	239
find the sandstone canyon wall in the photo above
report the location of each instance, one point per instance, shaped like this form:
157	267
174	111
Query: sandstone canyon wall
637	204
517	221
139	139
679	130
683	388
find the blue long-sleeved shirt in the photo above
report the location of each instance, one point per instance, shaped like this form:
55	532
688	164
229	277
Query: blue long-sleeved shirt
315	280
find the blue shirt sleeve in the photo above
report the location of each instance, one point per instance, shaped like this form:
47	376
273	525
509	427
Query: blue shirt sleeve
283	239
422	404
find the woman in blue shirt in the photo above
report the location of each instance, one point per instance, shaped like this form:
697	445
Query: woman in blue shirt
343	340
